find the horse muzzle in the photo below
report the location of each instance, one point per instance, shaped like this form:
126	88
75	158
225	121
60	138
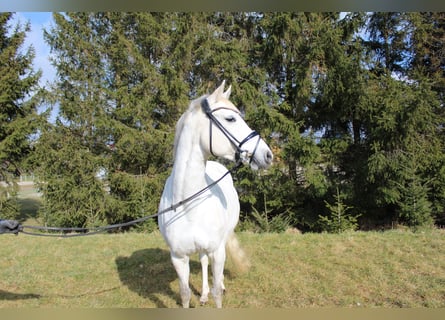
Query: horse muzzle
260	158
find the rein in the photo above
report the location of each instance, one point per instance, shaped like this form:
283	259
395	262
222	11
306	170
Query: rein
92	231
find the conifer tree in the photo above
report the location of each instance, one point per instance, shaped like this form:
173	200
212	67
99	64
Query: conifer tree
311	69
119	99
146	94
18	84
428	67
71	151
403	132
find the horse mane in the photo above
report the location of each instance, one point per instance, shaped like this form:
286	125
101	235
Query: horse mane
193	107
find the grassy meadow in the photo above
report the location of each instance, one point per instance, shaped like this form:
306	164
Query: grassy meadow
291	270
360	269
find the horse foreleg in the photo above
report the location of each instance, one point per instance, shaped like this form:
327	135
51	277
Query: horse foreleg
182	267
218	260
205	280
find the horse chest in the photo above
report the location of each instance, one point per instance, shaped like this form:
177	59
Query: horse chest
198	226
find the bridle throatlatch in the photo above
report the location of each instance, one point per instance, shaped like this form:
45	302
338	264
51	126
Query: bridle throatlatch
241	155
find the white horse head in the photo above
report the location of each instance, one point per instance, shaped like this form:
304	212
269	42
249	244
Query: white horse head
228	136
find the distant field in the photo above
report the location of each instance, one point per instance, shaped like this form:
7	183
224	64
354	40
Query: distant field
361	269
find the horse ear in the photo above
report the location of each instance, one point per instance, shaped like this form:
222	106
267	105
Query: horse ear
219	92
227	93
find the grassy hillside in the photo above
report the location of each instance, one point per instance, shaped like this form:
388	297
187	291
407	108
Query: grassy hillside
391	269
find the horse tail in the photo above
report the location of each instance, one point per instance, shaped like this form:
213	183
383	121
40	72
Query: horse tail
237	254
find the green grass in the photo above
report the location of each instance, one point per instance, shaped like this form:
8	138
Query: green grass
361	269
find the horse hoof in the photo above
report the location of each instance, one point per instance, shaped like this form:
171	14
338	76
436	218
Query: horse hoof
203	301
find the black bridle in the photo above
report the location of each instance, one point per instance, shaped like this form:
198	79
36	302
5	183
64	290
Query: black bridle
240	155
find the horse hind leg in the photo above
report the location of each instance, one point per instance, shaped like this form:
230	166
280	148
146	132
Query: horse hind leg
182	268
205	278
218	260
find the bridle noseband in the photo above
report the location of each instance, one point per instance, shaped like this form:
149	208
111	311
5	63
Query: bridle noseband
240	155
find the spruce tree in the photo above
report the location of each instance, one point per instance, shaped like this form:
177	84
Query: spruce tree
18	118
106	158
428	67
311	64
147	96
70	152
403	131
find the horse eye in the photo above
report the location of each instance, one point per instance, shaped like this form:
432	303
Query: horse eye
231	119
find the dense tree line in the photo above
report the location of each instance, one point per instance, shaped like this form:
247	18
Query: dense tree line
352	105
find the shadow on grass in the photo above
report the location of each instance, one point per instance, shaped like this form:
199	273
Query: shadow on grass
149	273
5	295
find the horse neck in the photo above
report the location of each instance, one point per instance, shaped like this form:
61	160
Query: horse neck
189	165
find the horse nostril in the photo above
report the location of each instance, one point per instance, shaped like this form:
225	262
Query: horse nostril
269	157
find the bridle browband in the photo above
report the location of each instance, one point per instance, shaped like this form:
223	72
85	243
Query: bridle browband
240	155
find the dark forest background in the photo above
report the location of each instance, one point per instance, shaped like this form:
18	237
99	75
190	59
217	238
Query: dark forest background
351	104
